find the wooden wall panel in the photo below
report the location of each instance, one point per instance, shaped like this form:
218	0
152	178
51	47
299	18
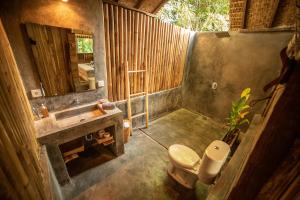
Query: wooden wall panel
140	40
49	47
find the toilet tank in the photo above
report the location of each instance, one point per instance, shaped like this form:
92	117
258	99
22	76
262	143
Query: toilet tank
212	161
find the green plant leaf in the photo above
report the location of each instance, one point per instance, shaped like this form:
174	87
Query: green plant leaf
243	114
244	121
238	111
245	107
246	93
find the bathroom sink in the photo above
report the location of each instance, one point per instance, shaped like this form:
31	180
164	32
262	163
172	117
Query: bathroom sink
78	114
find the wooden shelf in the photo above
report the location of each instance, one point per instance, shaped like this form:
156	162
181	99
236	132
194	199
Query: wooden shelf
73	151
105	141
73	154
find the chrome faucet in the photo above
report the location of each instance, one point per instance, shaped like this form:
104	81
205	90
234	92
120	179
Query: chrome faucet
36	112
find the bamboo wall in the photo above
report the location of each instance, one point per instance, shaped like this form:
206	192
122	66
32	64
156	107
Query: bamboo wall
20	171
140	39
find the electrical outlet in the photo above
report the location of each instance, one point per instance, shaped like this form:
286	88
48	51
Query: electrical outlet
36	93
100	83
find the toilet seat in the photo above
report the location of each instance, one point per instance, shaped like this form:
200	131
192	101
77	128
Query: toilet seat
183	156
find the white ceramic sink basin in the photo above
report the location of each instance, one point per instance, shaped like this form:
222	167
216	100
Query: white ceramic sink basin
76	115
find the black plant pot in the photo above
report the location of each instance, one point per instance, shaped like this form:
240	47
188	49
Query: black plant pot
231	137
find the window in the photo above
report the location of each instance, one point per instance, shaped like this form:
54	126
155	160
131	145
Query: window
84	43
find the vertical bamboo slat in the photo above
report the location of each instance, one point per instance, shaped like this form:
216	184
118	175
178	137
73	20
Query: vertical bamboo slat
107	50
129	42
154	54
121	53
146	46
157	56
149	55
125	48
173	45
18	147
113	52
117	43
139	51
136	46
167	60
161	57
133	36
139	40
143	52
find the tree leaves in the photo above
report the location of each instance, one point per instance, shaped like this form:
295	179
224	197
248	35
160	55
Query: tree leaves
197	15
84	45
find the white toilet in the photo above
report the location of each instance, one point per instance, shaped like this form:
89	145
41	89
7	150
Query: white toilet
186	167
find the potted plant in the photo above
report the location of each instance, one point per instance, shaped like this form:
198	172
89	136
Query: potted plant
237	118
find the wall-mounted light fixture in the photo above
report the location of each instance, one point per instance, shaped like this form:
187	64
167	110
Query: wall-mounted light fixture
65	0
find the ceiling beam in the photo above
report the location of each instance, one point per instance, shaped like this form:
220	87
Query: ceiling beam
157	8
244	17
139	4
272	14
129	8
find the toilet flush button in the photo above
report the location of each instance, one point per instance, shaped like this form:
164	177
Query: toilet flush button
216	147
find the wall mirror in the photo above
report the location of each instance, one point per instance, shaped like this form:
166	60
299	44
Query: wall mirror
63	57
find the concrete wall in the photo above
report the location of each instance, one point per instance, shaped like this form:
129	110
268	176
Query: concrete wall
160	103
236	62
80	14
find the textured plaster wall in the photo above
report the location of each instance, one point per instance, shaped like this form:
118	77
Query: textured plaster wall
236	62
80	14
160	103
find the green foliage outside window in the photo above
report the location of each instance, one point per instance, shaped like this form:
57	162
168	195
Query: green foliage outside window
84	45
197	15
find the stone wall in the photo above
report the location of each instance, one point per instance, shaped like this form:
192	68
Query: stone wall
235	62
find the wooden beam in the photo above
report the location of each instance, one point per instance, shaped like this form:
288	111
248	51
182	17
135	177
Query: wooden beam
244	14
139	4
272	14
126	7
157	8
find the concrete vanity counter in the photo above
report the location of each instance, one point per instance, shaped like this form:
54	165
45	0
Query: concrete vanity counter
49	131
66	125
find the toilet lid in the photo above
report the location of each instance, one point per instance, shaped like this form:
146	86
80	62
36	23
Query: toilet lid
183	156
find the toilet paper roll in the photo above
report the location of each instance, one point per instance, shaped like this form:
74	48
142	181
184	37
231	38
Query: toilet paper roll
92	83
213	159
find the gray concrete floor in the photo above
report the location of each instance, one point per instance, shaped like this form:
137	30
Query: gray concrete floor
141	173
185	127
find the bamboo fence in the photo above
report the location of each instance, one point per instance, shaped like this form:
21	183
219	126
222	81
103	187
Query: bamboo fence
138	38
20	172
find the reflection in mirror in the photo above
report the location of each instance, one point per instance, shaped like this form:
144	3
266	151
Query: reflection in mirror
85	61
63	57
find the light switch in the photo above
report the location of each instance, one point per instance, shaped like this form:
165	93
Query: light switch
100	83
36	93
